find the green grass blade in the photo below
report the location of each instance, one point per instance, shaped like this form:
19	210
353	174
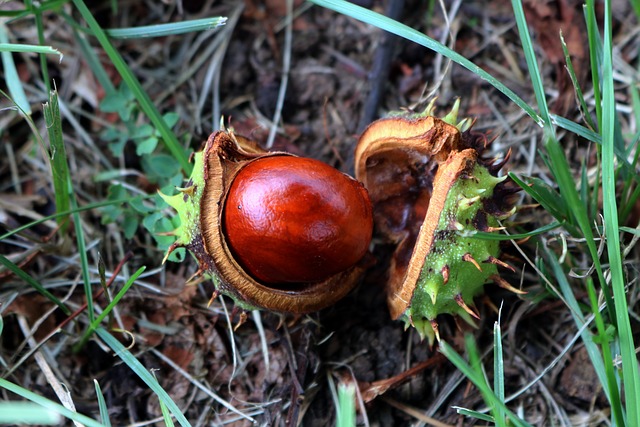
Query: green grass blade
84	260
636	7
630	230
480	382
172	28
48	404
168	137
87	207
22	275
578	129
346	416
532	64
11	74
102	405
27	413
475	361
166	414
630	373
595	55
582	104
30	48
542	193
590	135
41	7
474	414
498	371
630	204
394	27
58	158
609	367
538	231
578	318
94	325
142	372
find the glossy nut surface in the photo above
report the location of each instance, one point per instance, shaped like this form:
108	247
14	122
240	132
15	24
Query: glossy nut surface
290	219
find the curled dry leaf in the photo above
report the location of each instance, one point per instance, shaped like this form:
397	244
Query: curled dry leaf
432	190
278	231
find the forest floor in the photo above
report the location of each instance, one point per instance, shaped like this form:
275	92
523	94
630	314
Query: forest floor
274	369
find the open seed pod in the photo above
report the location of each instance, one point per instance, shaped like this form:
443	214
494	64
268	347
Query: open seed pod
280	232
432	191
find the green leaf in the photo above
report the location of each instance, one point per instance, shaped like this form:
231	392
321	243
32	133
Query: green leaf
171	119
137	203
117	101
146	146
141	131
117	148
160	166
130	225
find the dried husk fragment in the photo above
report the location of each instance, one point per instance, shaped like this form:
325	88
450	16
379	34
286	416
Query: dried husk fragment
199	207
432	190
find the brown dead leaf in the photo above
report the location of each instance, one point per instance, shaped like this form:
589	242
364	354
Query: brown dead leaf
180	356
33	307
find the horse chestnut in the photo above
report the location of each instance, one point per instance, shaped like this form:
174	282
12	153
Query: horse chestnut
432	191
278	231
293	219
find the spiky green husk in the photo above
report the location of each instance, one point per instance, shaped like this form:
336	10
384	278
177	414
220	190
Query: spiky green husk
187	204
459	263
